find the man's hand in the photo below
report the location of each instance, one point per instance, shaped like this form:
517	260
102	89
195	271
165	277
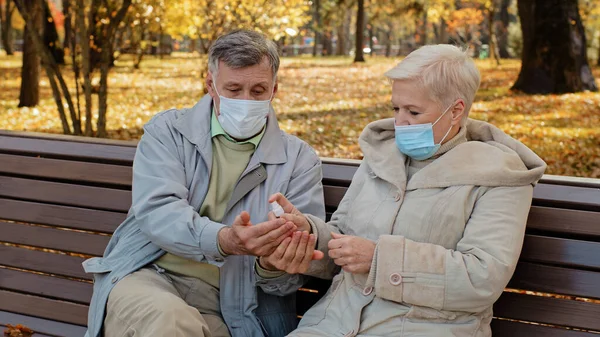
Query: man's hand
354	254
243	238
293	255
291	212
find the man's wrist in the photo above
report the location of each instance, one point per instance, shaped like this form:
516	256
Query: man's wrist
222	240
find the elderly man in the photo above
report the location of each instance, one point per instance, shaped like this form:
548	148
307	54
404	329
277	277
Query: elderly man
183	262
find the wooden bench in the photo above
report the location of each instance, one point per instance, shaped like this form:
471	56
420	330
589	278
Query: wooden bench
61	198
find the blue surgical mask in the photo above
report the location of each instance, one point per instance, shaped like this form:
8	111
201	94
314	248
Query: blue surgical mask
416	141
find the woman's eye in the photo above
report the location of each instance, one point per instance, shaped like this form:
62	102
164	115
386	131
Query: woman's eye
234	90
396	109
414	113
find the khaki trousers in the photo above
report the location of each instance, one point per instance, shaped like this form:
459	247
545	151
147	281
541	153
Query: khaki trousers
154	302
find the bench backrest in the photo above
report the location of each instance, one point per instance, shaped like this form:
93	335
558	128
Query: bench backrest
61	198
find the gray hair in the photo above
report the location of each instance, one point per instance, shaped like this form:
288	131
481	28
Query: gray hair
242	48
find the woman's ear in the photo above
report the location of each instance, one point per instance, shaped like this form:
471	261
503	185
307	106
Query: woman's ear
458	111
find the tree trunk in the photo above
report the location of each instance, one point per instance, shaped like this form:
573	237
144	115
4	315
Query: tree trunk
492	34
317	26
51	36
424	29
68	28
554	56
30	71
503	29
105	62
327	44
192	45
388	41
371	36
52	70
7	30
360	27
443	38
598	63
83	31
141	48
341	40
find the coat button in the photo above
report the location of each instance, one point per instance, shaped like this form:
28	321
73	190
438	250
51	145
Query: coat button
395	279
367	291
114	280
398	197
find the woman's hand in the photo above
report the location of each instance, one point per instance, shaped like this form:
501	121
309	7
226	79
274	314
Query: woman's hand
291	214
293	255
354	254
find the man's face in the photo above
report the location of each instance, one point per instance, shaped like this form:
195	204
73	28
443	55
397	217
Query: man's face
249	83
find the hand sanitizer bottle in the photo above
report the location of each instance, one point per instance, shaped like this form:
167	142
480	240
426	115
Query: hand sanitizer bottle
276	208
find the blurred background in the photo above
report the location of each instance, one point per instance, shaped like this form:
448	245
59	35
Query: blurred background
103	68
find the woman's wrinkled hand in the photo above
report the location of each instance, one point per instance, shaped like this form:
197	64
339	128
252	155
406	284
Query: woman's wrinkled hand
354	254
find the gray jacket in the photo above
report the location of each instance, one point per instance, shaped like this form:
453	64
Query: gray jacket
171	174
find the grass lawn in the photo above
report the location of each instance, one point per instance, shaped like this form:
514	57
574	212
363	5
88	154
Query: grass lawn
327	102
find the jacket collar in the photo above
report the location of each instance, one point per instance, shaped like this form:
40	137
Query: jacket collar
489	158
194	125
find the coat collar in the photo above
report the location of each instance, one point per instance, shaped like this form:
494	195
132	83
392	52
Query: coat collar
194	125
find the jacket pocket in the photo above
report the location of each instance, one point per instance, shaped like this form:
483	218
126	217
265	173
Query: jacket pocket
318	311
96	265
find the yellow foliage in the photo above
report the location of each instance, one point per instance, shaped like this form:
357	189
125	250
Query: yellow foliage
327	102
207	19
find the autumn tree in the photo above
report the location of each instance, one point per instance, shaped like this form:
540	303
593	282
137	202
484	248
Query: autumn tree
590	15
30	71
502	28
554	56
206	20
53	18
7	9
464	24
360	27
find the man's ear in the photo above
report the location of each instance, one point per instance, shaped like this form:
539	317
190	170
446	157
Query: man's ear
275	88
458	111
209	85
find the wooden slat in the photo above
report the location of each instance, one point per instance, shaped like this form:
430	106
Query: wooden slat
555	280
574	197
57	239
65	194
561	252
338	174
564	221
43	327
62	216
504	328
66	170
333	195
46	262
67	149
547	310
45	286
44	308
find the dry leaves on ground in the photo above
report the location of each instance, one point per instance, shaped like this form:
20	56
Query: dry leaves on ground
328	101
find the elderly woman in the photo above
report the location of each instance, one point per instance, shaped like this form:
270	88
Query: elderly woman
430	230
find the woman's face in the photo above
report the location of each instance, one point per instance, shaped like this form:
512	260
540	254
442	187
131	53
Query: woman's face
413	106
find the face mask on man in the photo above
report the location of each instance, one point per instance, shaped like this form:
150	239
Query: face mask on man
416	141
242	118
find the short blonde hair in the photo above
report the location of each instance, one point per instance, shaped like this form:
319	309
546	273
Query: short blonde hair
445	71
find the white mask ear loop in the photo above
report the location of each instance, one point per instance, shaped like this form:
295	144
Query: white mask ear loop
447	132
